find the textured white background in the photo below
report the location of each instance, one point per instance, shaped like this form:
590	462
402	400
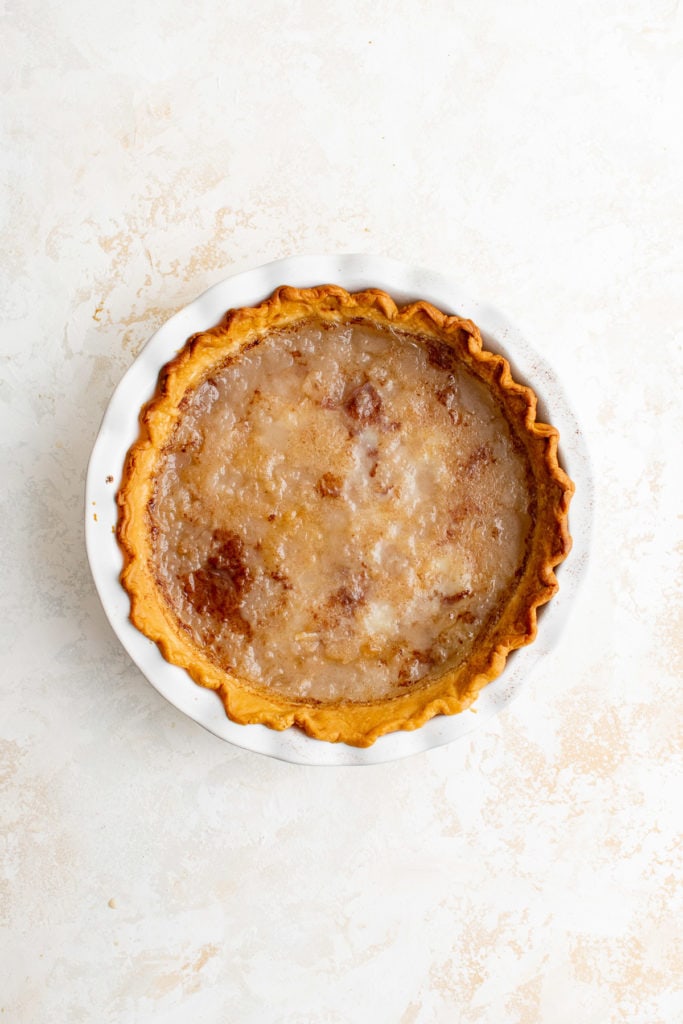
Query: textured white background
529	873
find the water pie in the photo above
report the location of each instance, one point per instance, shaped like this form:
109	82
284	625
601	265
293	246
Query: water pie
340	514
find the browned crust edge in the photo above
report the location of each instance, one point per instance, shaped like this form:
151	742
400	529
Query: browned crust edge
352	723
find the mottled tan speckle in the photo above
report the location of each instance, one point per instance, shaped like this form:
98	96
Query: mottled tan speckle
524	1002
622	966
670	632
411	1014
164	979
594	743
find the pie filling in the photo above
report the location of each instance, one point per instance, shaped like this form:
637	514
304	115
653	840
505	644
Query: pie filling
340	513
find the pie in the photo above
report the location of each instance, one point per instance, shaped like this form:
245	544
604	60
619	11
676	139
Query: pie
341	514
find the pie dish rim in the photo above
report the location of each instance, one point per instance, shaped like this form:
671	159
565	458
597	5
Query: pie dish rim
119	428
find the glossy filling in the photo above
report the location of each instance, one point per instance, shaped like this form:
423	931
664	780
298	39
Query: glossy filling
340	512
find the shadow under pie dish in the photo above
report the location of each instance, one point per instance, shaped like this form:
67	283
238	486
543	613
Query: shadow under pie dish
340	514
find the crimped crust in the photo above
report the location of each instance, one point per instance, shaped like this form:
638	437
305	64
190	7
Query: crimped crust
356	723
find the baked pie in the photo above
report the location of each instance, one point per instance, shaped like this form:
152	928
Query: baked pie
341	514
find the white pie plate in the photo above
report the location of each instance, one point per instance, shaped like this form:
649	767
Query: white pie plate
120	428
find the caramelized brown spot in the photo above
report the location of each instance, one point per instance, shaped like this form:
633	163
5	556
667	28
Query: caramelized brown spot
464	510
347	597
439	354
281	577
364	404
238	624
193	445
344	598
329	485
218	587
410	670
109	480
424	657
466	617
459	515
455	598
480	457
448	397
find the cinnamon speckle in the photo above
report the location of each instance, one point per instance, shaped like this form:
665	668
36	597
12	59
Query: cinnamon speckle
364	404
329	485
218	587
478	459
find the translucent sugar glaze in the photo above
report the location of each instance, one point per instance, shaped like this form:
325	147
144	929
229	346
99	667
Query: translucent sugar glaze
340	512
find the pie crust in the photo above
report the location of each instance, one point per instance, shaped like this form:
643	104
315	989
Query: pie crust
358	647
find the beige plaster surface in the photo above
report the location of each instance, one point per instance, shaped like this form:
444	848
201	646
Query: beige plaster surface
530	872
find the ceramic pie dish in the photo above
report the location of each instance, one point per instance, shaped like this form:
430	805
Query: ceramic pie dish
340	513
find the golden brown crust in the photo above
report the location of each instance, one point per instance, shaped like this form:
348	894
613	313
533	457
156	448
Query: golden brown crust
359	724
